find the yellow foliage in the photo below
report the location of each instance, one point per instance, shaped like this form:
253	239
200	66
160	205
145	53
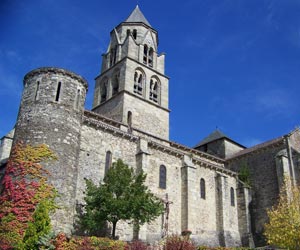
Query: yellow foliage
283	229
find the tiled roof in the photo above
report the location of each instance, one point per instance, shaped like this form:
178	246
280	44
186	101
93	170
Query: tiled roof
137	16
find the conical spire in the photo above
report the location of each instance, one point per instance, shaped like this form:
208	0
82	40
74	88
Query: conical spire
137	16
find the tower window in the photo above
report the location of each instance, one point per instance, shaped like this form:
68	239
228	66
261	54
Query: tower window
145	57
58	92
162	177
37	91
154	90
138	82
103	91
108	160
113	56
150	57
115	83
134	34
232	199
202	189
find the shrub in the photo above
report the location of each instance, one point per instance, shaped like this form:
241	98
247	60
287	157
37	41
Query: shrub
176	242
136	245
87	243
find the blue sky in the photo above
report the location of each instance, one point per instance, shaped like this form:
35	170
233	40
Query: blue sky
233	64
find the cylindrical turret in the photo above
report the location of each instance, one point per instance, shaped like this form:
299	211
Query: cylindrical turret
51	112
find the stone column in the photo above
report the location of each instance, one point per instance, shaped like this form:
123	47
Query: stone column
243	201
142	165
220	196
188	194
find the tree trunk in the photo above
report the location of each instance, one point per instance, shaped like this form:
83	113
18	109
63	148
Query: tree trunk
136	230
114	229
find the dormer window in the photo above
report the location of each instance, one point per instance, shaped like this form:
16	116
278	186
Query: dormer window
134	34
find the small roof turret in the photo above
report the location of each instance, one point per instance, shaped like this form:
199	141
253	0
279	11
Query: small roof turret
137	16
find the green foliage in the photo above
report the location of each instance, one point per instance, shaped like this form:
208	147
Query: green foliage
39	226
122	196
283	228
46	242
244	174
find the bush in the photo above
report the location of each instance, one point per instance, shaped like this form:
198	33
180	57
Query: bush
136	245
176	242
87	243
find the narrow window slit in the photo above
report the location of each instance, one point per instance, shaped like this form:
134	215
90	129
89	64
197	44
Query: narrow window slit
58	92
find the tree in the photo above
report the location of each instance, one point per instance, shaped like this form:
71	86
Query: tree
283	228
24	187
145	206
122	196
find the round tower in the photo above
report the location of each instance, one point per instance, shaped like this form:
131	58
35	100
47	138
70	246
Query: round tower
51	112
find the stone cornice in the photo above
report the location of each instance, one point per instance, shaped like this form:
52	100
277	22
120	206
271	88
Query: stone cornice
101	122
54	70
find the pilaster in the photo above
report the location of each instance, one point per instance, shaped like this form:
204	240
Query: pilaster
243	200
188	195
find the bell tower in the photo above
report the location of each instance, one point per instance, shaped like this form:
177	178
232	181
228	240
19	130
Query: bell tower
132	87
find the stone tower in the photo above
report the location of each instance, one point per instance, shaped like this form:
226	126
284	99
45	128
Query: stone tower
51	112
132	87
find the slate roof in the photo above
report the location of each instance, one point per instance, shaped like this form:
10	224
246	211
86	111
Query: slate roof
137	16
216	135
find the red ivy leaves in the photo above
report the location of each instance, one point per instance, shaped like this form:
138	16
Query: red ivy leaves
24	186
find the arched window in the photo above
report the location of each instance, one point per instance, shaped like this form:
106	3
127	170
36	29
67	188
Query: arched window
150	58
129	121
37	91
154	89
138	82
103	91
145	57
232	202
134	34
202	189
58	92
115	83
108	160
162	177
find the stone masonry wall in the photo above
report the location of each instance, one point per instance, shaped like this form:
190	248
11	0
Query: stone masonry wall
264	184
44	118
141	153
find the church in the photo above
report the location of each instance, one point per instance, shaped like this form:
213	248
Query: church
129	120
